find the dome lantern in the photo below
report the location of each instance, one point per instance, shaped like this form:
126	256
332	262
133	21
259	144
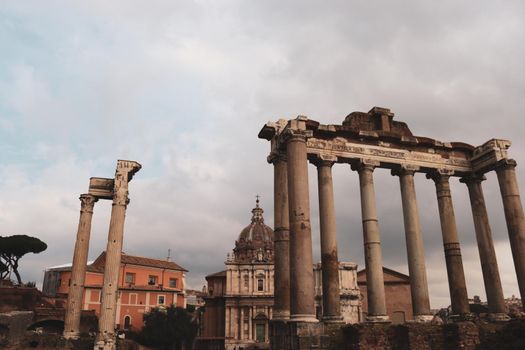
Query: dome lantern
254	239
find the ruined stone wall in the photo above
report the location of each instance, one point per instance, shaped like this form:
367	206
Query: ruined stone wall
18	299
421	336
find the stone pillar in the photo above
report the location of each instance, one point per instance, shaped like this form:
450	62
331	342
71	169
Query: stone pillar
241	322
514	216
415	245
329	260
281	240
227	322
108	308
456	276
487	254
250	324
372	243
78	270
302	302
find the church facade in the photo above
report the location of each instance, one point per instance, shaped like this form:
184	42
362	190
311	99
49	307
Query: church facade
239	303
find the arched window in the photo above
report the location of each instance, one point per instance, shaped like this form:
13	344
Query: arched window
127	322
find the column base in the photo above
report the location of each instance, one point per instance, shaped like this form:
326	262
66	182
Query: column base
423	318
304	318
107	342
332	319
377	319
498	317
71	335
281	315
462	317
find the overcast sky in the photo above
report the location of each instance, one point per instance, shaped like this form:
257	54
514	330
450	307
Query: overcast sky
183	87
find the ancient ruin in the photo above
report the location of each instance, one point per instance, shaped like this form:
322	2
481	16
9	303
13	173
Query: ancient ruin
115	189
367	141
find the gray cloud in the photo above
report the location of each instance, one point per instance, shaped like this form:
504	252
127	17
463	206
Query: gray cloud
185	87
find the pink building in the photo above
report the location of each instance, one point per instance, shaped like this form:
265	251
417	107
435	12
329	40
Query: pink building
144	283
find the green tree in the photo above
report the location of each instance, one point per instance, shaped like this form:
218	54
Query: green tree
4	270
169	328
13	248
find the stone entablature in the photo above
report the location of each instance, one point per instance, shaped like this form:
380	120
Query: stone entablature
387	142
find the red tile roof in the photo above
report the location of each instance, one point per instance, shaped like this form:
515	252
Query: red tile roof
141	261
100	262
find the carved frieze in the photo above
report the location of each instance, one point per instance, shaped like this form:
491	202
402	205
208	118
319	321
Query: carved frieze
385	153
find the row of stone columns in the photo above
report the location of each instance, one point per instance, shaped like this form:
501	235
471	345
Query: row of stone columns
107	321
294	244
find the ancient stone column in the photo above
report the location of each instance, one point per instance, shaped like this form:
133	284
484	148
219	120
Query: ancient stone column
372	243
108	309
487	254
510	195
456	276
78	270
302	302
281	239
329	260
415	245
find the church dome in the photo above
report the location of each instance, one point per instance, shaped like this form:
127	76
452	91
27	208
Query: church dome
255	242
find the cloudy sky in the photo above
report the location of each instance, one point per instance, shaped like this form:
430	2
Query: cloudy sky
183	87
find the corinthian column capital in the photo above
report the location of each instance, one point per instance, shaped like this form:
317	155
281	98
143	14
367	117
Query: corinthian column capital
323	160
124	173
405	169
440	175
276	157
87	202
505	164
364	165
291	135
473	178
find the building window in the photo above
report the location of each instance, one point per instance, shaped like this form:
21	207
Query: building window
130	278
260	285
133	298
127	322
246	281
152	280
173	283
160	300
